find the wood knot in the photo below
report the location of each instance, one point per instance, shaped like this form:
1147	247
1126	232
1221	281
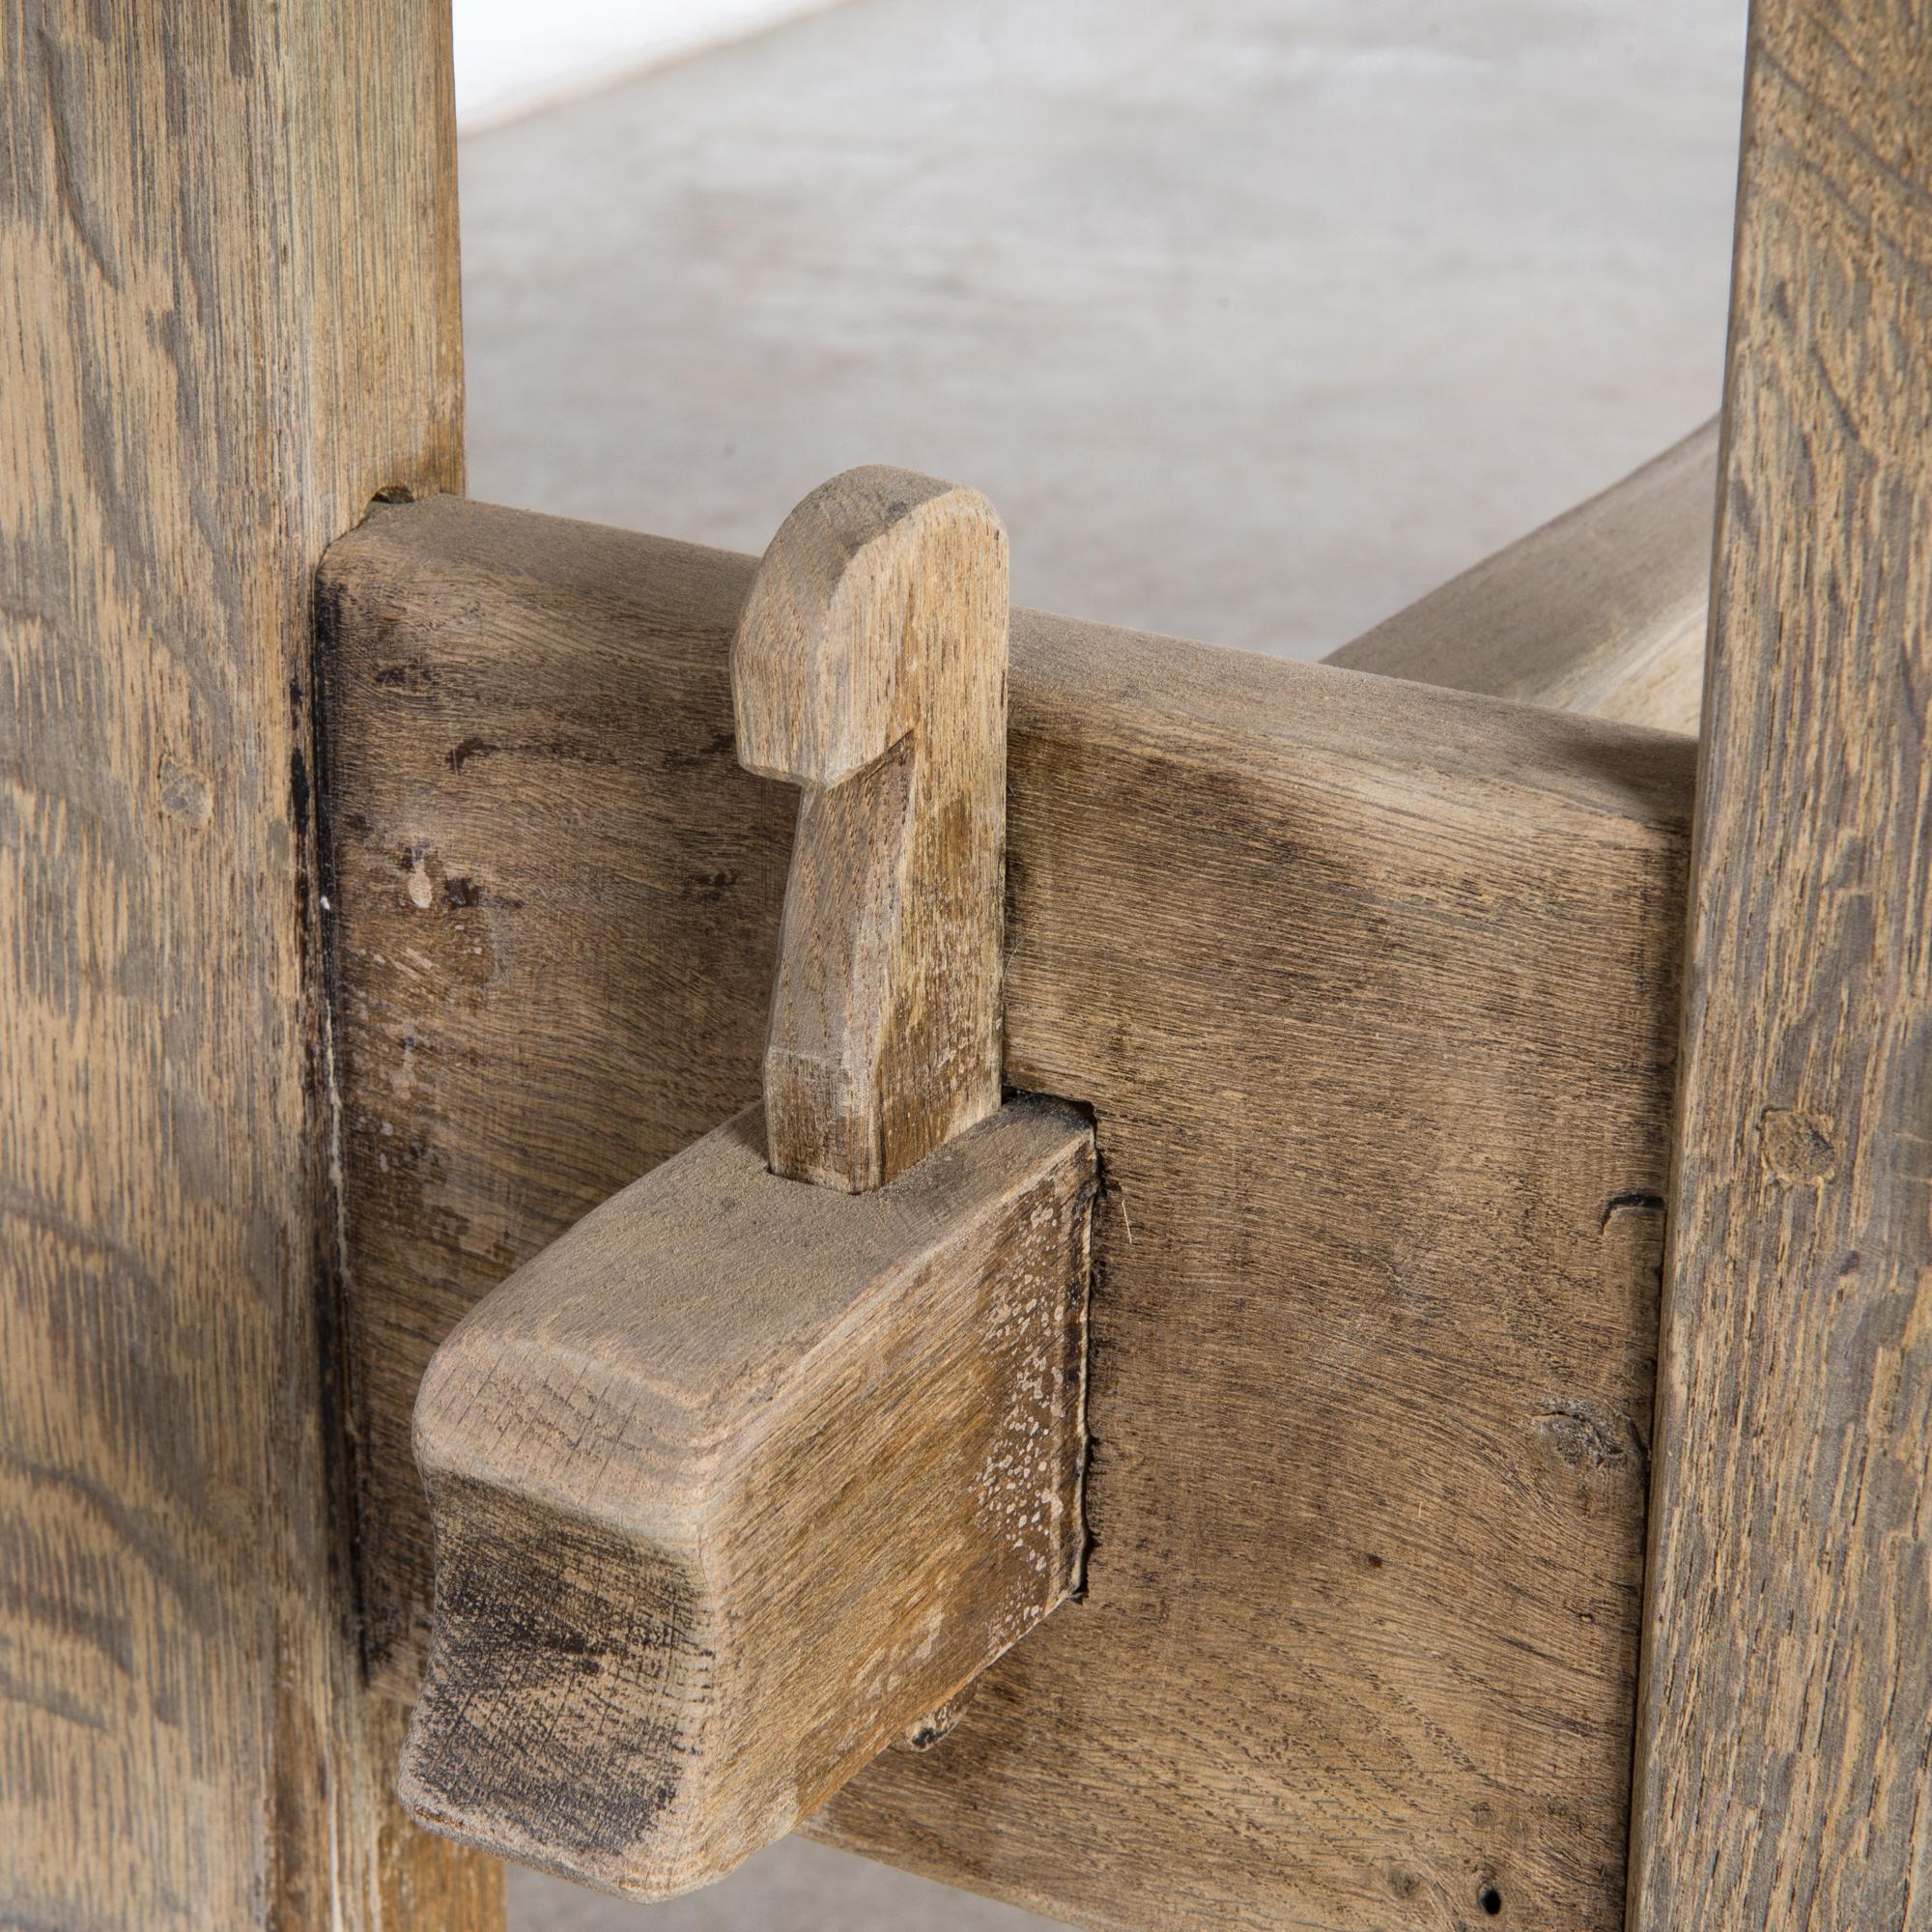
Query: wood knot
186	794
1797	1147
938	1723
1587	1439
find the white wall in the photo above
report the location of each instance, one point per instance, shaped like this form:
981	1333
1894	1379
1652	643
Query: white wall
513	55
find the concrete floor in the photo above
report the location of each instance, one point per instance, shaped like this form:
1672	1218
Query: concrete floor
1255	318
792	1887
1256	321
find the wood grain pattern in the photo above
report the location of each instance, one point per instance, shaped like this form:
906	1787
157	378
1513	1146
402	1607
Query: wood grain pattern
1783	1779
1602	610
228	268
735	1481
870	666
1369	987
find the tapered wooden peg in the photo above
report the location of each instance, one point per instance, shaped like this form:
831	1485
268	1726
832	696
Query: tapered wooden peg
870	668
744	1479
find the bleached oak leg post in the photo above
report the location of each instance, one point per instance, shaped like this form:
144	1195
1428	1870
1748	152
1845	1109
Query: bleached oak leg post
1783	1779
228	274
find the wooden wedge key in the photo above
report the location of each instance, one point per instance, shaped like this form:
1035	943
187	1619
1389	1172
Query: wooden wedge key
744	1477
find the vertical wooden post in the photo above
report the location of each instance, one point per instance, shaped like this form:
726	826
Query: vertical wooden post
1782	1775
228	277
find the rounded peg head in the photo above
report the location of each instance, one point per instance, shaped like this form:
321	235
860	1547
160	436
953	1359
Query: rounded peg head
873	586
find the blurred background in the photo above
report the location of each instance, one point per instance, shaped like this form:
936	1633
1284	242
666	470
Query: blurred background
1256	319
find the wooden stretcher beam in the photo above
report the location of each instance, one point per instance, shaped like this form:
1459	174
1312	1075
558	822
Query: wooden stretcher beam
1602	610
1784	1780
1369	987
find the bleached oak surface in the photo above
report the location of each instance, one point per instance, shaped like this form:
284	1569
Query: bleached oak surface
1601	611
869	668
1370	988
736	1482
1784	1781
228	274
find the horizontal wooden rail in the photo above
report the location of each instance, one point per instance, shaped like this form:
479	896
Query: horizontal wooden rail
1369	988
1602	610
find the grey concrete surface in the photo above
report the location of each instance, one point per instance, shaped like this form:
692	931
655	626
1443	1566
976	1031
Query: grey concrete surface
1255	320
792	1887
1256	317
